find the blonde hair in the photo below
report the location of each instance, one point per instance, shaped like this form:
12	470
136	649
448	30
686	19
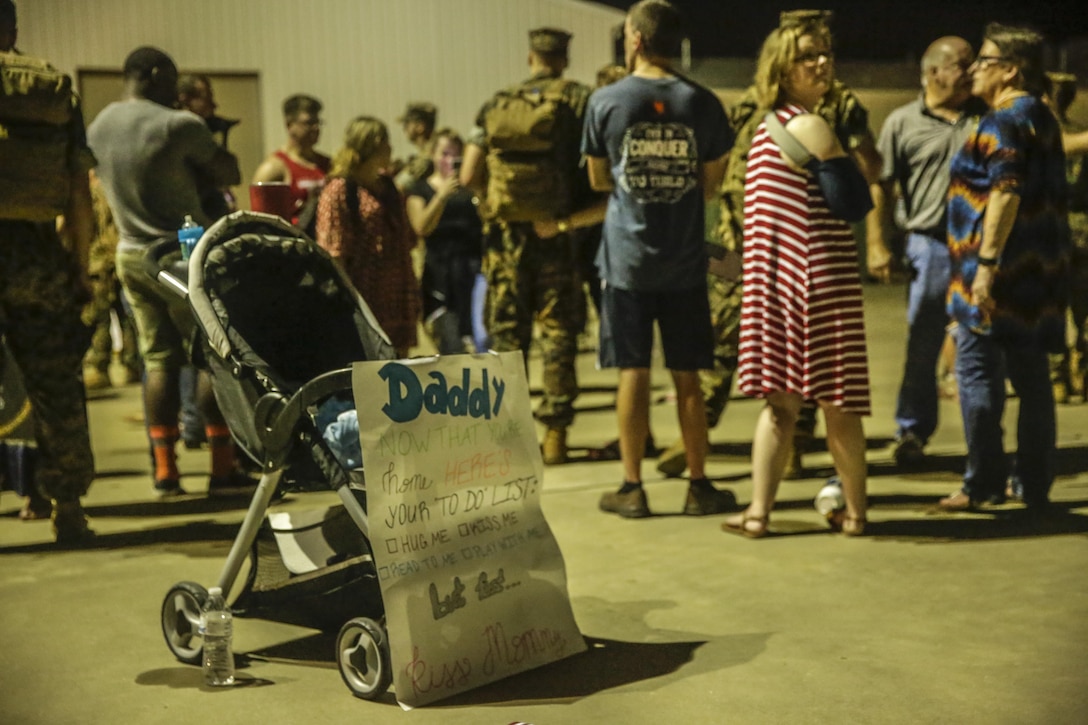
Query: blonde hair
777	55
361	141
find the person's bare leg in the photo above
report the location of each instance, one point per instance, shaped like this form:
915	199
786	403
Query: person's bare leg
691	412
633	414
846	443
770	449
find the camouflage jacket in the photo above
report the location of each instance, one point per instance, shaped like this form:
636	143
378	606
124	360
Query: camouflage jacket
840	108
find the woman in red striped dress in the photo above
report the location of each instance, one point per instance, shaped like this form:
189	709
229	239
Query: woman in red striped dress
802	330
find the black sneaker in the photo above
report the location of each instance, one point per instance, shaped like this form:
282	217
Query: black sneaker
235	484
70	525
630	505
909	450
705	500
168	488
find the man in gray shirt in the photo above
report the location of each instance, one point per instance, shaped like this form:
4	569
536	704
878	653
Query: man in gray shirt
917	143
150	160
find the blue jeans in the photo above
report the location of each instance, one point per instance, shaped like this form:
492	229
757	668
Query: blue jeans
916	410
192	422
982	363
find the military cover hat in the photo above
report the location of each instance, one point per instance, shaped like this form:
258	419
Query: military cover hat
802	17
549	41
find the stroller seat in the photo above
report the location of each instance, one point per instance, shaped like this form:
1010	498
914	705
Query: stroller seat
277	313
287	315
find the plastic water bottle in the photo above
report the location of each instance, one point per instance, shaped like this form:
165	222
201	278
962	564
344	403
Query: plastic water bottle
830	497
189	234
216	624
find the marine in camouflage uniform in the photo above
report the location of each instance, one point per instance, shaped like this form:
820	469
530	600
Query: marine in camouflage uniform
40	317
529	279
850	120
105	296
1069	372
534	279
40	301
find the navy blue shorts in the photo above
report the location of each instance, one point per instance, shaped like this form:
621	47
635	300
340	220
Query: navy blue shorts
627	328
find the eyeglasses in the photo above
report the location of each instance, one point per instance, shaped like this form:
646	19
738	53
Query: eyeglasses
961	66
813	57
985	60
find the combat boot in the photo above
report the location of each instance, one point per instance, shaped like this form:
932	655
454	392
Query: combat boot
70	524
95	379
554	448
795	469
674	461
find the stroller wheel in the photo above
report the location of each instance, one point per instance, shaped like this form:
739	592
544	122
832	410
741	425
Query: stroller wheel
363	656
181	621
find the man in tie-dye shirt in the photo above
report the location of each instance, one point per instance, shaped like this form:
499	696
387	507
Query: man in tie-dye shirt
1009	242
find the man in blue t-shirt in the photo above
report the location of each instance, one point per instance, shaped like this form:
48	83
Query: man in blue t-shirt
658	143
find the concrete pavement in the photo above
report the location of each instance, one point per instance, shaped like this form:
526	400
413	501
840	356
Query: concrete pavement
969	618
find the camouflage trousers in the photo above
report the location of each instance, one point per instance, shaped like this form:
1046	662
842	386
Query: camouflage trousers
1071	368
106	296
40	318
717	383
536	280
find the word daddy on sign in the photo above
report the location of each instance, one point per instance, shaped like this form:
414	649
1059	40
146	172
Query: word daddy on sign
474	584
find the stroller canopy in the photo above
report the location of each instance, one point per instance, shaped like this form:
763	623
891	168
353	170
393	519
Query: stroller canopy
267	297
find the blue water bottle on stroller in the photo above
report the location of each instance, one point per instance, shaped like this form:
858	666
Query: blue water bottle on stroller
189	234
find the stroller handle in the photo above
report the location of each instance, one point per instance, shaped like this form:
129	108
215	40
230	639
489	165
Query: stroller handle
277	417
163	262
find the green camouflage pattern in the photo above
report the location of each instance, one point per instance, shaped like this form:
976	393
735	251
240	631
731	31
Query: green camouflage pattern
532	280
40	317
560	185
717	382
105	291
536	280
840	108
1071	368
42	138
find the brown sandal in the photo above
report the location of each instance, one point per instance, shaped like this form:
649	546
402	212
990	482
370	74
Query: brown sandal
854	525
733	526
839	522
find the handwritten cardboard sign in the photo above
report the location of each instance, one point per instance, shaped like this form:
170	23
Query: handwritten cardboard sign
473	581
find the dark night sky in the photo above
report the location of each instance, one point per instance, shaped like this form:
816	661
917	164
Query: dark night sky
877	29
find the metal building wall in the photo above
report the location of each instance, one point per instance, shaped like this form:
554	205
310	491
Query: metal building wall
358	56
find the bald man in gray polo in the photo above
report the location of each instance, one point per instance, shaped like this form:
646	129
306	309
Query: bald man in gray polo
917	143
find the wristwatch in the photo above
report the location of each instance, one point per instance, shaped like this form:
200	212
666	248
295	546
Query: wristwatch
563	225
987	261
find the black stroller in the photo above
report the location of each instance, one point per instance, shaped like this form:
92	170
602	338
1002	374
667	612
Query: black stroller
278	327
